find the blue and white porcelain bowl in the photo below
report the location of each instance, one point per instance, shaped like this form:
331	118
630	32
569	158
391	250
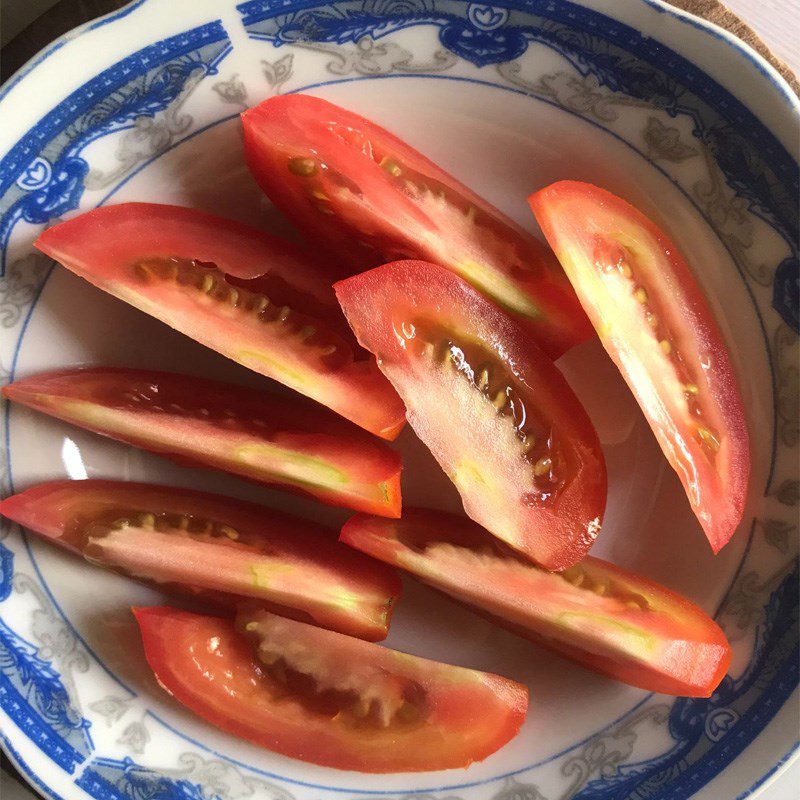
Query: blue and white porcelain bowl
669	112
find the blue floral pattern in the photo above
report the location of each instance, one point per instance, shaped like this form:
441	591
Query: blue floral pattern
42	177
786	292
6	572
32	694
109	779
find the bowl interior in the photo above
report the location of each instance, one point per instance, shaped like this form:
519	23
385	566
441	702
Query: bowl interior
504	145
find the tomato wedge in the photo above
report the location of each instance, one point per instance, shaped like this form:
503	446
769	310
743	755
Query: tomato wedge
326	698
370	198
656	325
219	549
498	416
243	431
250	296
605	618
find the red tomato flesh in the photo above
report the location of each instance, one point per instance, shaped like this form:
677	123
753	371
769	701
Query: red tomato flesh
239	430
370	198
498	416
250	296
655	323
599	615
326	698
213	547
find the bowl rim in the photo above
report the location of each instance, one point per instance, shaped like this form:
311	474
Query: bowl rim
716	32
713	30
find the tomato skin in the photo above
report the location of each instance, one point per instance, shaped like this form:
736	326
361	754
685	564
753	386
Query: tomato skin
670	645
221	550
657	326
369	198
243	431
388	308
273	312
470	714
125	232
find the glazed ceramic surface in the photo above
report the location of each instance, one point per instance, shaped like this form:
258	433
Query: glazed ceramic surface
676	116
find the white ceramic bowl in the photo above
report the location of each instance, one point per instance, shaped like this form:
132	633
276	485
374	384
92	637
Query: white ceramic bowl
671	113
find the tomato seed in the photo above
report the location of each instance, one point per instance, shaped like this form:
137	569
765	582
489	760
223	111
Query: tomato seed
528	443
306	332
500	400
260	303
709	438
302	167
391	166
542	466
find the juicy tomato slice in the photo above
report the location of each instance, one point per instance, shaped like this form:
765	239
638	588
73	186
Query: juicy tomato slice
239	430
219	549
250	296
656	325
326	698
371	198
605	618
498	416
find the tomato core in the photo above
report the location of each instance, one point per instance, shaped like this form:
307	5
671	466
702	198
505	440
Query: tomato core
366	699
496	382
203	279
613	257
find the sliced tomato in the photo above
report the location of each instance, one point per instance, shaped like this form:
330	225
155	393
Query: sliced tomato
326	698
495	412
243	431
370	198
605	618
213	547
656	325
250	296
